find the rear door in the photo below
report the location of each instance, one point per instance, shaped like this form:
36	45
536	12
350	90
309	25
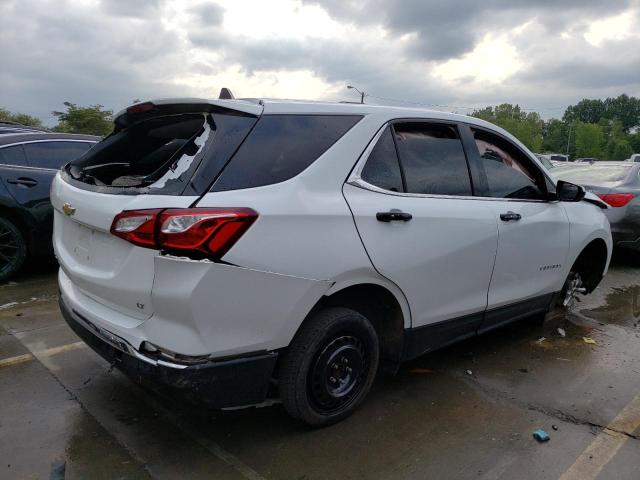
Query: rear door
533	239
412	200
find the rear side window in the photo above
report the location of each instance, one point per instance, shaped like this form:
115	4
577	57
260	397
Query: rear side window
509	172
432	159
54	154
13	156
280	147
382	168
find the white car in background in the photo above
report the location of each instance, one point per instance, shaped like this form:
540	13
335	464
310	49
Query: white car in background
235	249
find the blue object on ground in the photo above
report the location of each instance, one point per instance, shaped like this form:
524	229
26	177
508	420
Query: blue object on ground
541	435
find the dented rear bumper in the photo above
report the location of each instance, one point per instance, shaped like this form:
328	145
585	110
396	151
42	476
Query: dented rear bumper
220	384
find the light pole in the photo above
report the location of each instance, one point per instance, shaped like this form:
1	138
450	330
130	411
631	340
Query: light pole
569	139
362	94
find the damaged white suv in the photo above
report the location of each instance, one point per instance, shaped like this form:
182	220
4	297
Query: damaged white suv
237	250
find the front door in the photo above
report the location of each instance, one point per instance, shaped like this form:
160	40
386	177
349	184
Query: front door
533	232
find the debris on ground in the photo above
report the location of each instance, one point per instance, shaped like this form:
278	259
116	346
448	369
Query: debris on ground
561	332
541	436
589	340
540	340
469	372
523	370
555	427
8	305
422	370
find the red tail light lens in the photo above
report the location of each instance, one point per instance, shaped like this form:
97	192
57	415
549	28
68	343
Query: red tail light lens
140	108
210	231
136	226
617	199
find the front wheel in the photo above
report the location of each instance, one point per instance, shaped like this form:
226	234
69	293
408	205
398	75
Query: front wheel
329	367
13	249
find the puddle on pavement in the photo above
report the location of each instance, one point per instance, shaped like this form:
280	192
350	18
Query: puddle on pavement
622	307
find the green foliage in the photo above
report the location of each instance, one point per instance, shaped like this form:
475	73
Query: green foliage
554	136
92	120
526	127
589	139
623	108
21	118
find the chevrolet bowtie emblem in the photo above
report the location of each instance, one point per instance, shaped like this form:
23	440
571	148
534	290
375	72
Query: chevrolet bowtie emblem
68	209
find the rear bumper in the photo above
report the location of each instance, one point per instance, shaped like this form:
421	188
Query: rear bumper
219	384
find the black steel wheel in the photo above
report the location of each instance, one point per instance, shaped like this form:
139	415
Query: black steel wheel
13	249
329	367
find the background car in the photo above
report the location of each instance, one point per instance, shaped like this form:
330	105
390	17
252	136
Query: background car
28	163
634	158
7	127
618	184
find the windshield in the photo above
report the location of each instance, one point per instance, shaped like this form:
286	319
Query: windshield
595	174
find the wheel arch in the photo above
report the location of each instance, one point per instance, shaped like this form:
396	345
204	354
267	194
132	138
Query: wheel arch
382	304
592	263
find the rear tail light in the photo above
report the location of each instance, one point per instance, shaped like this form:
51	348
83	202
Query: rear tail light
617	199
208	231
137	227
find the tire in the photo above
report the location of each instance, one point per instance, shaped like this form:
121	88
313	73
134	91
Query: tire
572	286
13	249
317	382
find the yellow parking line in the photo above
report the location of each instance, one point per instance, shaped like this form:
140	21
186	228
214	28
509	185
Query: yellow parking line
7	362
606	444
49	352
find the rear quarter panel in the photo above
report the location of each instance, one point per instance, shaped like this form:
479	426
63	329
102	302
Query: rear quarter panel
587	223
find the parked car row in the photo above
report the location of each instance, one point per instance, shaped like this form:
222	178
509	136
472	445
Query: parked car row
618	184
28	163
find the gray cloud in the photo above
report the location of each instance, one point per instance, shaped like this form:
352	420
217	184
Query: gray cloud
121	50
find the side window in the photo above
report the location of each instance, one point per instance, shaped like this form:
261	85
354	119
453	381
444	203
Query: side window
12	155
280	147
509	172
382	168
54	154
433	159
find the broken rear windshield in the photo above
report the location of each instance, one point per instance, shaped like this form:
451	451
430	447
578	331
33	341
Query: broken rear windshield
162	155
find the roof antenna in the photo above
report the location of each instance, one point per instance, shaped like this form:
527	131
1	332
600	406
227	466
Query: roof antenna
225	94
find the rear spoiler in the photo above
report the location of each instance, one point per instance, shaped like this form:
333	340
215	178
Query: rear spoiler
139	112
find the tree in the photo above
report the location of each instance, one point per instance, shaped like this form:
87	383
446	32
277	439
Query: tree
554	136
590	140
21	118
92	120
586	111
618	146
625	109
526	127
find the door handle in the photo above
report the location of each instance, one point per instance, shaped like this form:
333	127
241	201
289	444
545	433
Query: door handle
393	215
25	181
510	217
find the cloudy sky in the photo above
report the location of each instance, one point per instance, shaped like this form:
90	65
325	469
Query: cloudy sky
454	54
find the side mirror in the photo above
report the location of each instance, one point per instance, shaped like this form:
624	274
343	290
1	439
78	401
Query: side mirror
569	192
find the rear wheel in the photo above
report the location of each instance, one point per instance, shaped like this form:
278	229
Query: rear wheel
329	367
13	249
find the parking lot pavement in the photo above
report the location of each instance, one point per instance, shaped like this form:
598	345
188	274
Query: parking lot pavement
467	411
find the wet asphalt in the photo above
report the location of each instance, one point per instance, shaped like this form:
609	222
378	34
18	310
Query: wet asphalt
467	411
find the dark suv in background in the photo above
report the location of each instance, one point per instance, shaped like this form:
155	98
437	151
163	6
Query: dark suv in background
28	163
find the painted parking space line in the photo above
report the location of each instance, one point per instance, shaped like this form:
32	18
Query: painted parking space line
606	444
49	352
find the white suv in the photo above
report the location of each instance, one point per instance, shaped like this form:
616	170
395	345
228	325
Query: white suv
238	249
